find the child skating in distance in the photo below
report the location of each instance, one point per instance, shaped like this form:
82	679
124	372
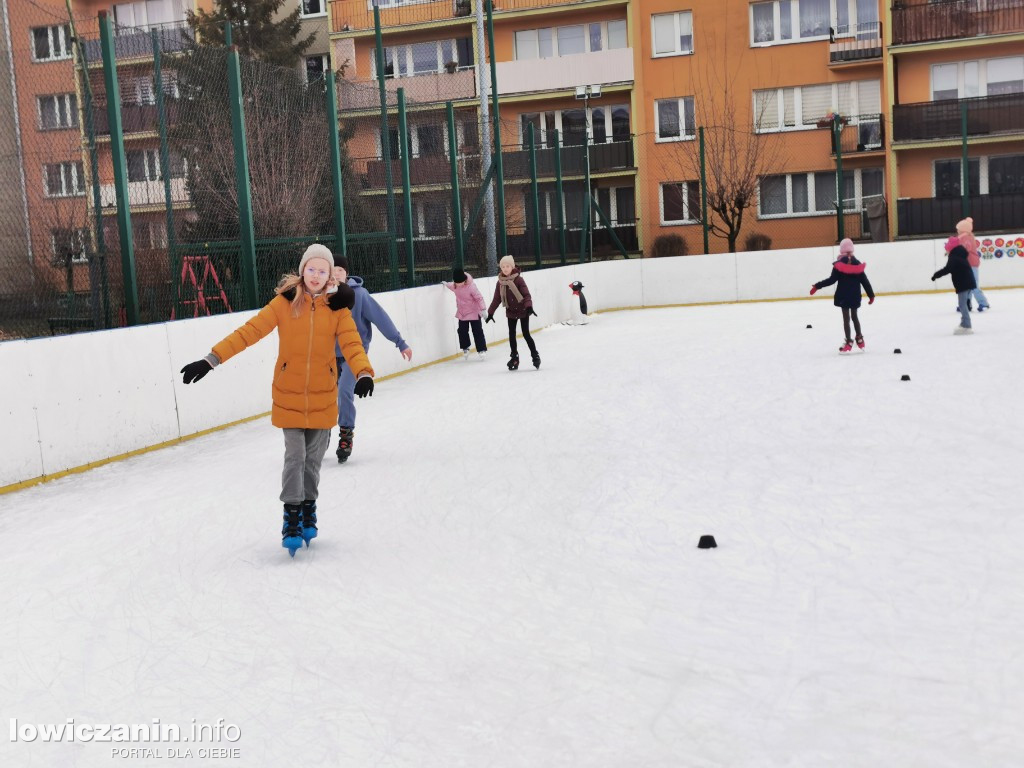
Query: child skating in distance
309	321
511	292
849	275
965	234
469	309
959	269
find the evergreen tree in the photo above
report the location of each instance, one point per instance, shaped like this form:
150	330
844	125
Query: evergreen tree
255	29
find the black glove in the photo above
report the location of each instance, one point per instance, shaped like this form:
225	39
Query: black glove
532	312
343	298
364	386
933	278
490	319
195	371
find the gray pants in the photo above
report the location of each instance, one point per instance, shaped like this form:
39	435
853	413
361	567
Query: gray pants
304	451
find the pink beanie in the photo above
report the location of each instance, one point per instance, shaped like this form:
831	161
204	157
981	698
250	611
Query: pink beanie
846	247
952	243
965	225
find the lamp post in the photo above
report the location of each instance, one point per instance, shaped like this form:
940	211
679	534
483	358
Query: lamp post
585	93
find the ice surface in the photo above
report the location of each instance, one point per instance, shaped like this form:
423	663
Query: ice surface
507	571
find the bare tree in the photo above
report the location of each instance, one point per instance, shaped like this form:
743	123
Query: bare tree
736	154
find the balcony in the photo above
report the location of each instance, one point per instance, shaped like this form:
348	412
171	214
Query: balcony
137	42
135	118
422	171
932	215
859	45
934	120
862	133
565	72
521	244
144	193
918	21
357	15
613	156
354	95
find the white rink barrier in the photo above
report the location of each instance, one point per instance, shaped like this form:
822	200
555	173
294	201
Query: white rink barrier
71	401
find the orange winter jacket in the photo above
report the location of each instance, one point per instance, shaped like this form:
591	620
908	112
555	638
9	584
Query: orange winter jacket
305	388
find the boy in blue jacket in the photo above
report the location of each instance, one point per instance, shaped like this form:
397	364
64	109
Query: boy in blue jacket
367	313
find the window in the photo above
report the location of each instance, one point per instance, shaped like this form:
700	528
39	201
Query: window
618	204
59	111
802	107
781	21
672	33
143	165
947	177
149	235
51	43
144	13
432	218
551	42
430	141
137	90
424	58
814	194
988	77
680	202
675	119
313	8
1006	175
64	179
316	66
69	245
607	123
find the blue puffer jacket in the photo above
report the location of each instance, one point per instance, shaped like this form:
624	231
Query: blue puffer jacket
368	313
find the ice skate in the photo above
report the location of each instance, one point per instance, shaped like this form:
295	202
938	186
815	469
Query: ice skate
344	444
846	348
962	331
860	343
481	355
291	530
513	362
308	520
536	360
465	354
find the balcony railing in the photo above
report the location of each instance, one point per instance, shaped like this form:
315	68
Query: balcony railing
521	244
918	21
135	118
862	133
421	89
862	42
932	215
144	193
137	42
942	119
565	72
350	15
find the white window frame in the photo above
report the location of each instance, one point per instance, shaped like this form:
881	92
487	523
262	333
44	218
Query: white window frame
676	36
857	201
150	164
797	92
983	169
138	90
414	139
553	31
548	205
72	174
58	37
65	107
420	211
686	204
323	60
542	136
404	51
964	86
318	15
681	106
794	19
83	235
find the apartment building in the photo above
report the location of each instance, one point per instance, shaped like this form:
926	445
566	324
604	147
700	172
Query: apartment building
806	86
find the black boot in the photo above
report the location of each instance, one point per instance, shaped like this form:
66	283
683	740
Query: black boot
308	520
291	530
513	362
345	438
536	359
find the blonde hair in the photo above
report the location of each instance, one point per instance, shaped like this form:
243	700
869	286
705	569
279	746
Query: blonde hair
290	282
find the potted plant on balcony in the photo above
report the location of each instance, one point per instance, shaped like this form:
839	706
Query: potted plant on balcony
451	67
829	119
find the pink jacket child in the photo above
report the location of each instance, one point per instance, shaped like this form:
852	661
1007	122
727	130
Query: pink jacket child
965	234
469	309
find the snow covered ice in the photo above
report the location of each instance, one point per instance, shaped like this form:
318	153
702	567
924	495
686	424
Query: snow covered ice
507	572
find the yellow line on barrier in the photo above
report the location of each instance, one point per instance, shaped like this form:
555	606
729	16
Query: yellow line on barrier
138	452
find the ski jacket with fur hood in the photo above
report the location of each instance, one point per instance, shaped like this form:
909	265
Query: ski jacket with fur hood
305	386
849	275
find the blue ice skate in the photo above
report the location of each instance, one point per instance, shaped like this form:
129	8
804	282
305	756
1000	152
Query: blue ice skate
308	520
291	530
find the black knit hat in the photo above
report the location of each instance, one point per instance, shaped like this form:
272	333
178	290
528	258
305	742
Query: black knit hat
341	261
458	275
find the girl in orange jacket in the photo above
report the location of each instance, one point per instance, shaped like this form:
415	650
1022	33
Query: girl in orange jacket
310	312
